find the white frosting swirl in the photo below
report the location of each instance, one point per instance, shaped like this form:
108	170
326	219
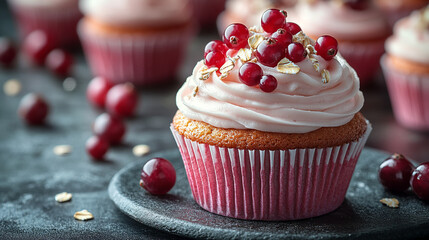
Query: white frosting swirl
137	13
301	103
346	24
410	39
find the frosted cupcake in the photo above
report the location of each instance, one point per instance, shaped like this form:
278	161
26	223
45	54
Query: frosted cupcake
397	9
406	70
267	128
136	41
360	29
58	18
248	12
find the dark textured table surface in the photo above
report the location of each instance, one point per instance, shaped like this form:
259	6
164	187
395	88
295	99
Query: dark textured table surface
31	174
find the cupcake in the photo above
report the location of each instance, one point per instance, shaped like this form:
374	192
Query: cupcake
360	29
58	18
142	42
397	9
248	12
206	11
406	70
269	137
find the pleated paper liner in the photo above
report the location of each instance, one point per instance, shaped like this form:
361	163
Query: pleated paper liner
269	185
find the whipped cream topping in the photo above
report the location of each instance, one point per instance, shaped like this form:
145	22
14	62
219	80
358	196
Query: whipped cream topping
344	23
301	103
45	3
138	13
411	38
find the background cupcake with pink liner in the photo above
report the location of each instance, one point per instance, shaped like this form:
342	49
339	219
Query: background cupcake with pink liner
360	30
142	42
397	9
283	153
58	18
206	11
406	70
248	12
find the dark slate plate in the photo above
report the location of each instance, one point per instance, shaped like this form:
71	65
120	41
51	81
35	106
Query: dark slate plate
361	216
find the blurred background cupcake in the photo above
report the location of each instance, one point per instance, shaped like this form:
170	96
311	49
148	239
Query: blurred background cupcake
136	41
396	9
57	18
359	27
206	11
406	70
248	12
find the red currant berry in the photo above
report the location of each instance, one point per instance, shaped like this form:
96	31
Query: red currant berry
235	36
97	91
395	172
326	47
292	27
273	19
420	181
282	37
250	73
270	52
358	5
97	147
7	52
122	100
33	109
109	127
59	62
268	83
37	45
215	46
158	176
214	59
296	52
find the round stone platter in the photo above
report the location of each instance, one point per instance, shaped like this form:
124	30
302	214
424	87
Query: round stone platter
361	216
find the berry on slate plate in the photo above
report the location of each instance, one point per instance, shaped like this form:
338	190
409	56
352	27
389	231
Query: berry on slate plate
158	176
420	181
395	173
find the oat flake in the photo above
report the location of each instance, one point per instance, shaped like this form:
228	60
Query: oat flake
390	202
63	197
83	215
61	150
141	150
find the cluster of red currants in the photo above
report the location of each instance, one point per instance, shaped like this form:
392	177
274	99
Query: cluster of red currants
278	44
397	174
109	128
39	50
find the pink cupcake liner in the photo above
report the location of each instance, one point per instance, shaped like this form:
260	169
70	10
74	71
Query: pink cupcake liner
409	95
139	59
269	185
363	57
206	11
59	24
